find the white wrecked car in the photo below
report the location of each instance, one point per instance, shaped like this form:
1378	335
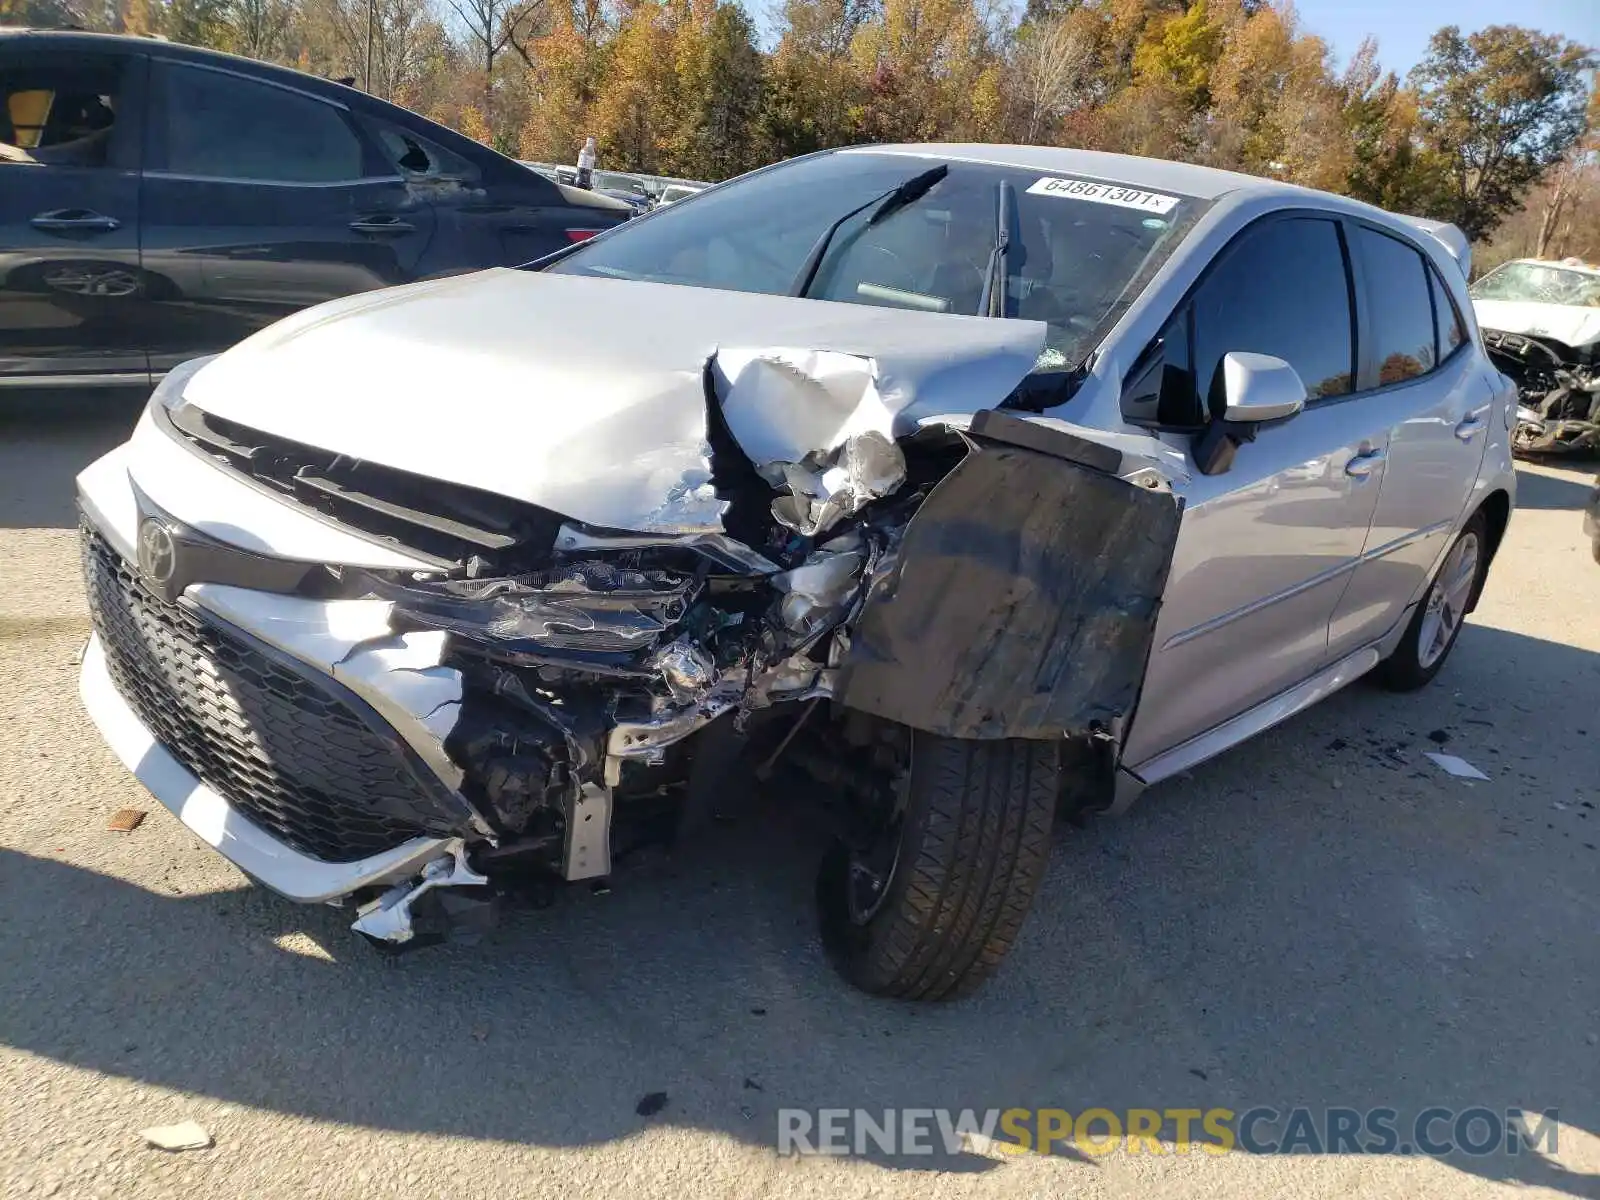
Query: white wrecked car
1541	324
964	482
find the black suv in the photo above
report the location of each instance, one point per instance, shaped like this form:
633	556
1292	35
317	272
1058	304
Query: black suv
159	202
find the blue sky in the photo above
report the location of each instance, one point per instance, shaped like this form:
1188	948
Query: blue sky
1403	27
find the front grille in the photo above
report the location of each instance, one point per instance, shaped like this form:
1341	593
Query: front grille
286	750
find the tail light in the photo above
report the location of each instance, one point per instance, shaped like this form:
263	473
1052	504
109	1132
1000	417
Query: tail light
580	235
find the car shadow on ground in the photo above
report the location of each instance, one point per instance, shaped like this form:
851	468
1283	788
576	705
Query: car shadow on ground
1320	918
51	437
1544	490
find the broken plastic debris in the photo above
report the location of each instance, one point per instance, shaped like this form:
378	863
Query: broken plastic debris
1459	767
185	1135
125	820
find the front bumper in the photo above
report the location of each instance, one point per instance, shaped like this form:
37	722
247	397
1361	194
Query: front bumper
211	818
300	738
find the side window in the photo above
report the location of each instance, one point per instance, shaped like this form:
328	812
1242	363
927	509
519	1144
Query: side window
1282	289
61	113
1399	306
417	156
223	126
1449	330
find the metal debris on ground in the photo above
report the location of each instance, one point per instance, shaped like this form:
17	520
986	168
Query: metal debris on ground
1459	767
185	1135
125	820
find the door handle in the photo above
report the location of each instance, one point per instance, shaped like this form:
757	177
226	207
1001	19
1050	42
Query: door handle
1471	424
1362	465
380	223
74	220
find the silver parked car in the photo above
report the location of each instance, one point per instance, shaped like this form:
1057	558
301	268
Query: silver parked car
964	483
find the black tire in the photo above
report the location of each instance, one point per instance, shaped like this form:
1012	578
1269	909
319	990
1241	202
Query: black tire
1409	668
969	850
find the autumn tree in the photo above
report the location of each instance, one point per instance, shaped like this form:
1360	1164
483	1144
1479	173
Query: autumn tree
567	72
630	118
931	70
260	28
814	90
1055	69
720	76
490	28
1501	107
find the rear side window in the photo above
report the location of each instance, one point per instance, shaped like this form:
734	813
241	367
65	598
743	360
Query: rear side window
1282	289
60	111
1449	330
417	156
223	126
1399	306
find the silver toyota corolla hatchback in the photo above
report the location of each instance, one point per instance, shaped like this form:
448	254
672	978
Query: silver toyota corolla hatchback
945	486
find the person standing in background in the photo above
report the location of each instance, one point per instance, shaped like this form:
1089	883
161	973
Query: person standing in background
586	164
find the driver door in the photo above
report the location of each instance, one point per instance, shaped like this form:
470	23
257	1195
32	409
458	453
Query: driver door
1267	546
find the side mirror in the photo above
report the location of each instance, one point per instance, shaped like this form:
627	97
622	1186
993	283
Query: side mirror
1256	388
1260	387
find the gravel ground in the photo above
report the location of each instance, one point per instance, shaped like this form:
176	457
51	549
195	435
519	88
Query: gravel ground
1319	918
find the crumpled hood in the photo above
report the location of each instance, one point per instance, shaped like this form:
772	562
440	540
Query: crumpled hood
1564	322
587	396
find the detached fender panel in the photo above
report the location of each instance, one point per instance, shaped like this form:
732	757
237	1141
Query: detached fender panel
1023	602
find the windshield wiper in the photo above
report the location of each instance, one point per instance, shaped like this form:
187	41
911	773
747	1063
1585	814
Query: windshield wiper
888	202
997	279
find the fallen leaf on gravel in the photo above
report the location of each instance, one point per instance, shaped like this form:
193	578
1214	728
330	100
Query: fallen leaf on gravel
185	1135
125	820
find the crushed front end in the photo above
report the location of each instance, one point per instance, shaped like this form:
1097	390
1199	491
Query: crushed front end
373	687
1558	387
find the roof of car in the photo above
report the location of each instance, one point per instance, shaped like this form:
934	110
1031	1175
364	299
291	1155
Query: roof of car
1186	179
168	49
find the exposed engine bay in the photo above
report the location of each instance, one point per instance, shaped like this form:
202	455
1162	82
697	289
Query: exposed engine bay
1559	390
585	686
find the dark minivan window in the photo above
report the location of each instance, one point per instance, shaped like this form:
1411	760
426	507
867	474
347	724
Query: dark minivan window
224	126
1281	289
1399	306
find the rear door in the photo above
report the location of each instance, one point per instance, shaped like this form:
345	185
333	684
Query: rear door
73	300
1267	546
1420	377
259	199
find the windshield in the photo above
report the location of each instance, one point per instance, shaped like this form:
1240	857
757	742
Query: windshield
1080	249
1543	283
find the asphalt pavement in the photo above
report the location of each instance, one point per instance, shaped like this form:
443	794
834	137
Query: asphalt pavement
1321	918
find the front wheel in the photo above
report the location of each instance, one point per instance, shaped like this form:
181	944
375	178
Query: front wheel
925	907
1436	624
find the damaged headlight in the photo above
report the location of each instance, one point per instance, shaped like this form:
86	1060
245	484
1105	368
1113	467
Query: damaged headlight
587	606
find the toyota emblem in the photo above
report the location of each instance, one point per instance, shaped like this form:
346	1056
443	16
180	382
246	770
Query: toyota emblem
158	555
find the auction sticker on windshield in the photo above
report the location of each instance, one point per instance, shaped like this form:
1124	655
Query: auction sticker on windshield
1103	193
